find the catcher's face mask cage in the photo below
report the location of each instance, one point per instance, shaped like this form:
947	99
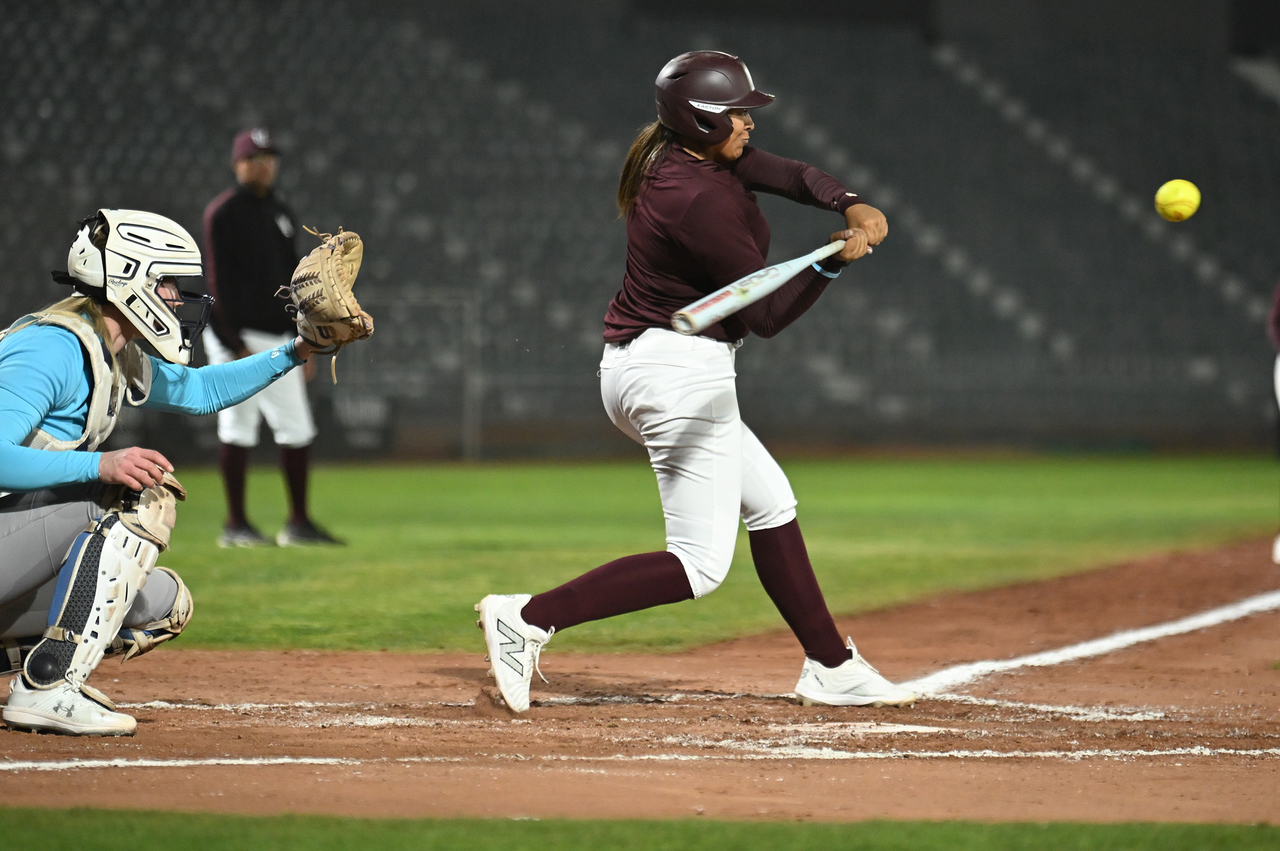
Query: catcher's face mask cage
126	269
192	312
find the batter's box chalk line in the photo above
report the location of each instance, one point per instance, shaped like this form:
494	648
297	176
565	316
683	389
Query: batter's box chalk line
950	678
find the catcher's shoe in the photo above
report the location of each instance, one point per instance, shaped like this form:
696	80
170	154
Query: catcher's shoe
854	683
514	646
242	536
64	709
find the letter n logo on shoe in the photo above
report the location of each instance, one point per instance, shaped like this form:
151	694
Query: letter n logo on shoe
514	644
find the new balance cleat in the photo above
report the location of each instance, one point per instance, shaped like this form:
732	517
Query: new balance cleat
854	683
514	646
64	709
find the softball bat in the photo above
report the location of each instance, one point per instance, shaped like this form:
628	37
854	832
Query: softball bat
731	298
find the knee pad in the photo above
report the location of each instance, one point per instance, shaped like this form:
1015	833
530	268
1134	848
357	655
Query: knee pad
136	640
151	513
107	565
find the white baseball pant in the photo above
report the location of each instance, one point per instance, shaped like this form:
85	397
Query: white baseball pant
282	403
1276	378
676	396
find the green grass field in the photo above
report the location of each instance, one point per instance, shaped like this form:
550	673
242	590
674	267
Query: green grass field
427	542
123	831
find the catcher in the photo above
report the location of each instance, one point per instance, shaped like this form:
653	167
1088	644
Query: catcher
81	530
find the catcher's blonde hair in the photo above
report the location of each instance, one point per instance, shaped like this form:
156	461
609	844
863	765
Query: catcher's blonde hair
83	307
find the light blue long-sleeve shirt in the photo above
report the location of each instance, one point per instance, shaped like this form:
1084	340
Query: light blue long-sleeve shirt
45	383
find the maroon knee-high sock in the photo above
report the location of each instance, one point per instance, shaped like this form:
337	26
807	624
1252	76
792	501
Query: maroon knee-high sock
295	461
782	563
626	585
233	461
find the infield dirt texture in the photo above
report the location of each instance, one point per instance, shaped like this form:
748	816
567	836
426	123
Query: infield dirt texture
1185	728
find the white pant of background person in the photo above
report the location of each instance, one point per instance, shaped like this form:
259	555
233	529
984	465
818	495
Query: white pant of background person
676	396
1275	546
283	403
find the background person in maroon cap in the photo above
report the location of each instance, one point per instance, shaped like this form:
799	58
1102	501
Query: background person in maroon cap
1273	332
250	254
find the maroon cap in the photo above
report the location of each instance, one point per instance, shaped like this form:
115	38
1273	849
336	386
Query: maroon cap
251	142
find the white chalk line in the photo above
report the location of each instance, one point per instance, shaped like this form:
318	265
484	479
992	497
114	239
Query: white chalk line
949	678
744	754
1079	713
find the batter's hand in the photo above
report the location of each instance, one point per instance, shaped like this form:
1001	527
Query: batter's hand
870	220
134	467
855	244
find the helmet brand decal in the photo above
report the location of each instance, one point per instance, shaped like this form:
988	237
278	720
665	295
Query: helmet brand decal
717	108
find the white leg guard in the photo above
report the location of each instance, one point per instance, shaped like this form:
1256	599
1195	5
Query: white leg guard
134	641
104	571
106	567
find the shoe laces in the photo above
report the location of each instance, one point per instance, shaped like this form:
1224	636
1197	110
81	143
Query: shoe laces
857	657
537	652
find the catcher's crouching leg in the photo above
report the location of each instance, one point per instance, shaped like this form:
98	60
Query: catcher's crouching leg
105	568
135	640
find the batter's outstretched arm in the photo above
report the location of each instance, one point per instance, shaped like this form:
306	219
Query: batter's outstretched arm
771	314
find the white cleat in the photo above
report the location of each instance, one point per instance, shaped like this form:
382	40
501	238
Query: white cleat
1275	551
854	683
514	646
64	709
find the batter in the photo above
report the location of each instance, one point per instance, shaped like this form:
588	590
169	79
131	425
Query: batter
688	193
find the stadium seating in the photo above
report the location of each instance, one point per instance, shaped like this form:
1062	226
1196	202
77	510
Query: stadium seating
1018	299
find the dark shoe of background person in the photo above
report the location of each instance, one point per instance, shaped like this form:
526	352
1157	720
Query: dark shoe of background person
242	536
306	534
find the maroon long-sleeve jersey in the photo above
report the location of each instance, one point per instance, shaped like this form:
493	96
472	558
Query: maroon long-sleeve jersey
695	227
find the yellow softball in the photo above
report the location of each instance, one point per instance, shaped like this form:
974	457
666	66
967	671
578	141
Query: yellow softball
1177	200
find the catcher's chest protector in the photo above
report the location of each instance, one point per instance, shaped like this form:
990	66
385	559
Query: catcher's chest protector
109	392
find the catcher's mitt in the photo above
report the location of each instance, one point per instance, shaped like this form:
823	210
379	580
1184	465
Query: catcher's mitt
326	311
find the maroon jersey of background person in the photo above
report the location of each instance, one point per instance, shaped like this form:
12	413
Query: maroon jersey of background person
696	227
249	253
1273	321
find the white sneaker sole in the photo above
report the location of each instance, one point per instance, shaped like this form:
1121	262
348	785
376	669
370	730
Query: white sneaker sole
853	700
31	721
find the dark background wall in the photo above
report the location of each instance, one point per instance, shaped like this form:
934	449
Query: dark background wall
1028	294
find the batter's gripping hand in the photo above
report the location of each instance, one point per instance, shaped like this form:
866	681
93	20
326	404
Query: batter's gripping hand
325	309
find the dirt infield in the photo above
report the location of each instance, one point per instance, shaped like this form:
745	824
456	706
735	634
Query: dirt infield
1183	728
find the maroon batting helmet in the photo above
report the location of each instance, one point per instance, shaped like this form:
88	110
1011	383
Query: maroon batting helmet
696	91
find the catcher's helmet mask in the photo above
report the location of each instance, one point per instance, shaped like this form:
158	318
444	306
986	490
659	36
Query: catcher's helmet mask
120	257
697	91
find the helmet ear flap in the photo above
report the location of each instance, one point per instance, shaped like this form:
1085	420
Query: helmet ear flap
704	124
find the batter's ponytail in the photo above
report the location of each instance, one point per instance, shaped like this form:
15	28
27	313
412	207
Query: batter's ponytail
649	149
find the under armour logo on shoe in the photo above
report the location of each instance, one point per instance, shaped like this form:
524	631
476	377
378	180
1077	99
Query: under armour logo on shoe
514	644
60	707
